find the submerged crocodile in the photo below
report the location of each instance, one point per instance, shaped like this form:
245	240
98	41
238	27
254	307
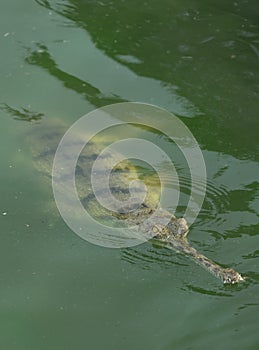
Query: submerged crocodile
44	139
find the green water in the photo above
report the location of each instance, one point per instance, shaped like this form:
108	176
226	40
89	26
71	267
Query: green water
199	60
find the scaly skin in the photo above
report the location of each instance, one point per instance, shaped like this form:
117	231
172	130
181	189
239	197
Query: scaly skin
174	235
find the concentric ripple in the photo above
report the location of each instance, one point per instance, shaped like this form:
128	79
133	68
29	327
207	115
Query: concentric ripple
103	184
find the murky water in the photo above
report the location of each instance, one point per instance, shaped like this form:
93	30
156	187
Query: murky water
63	60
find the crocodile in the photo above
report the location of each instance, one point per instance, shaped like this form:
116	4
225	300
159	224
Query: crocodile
161	225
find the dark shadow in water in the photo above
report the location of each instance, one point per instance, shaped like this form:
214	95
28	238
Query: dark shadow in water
228	290
207	291
253	255
223	291
245	306
23	114
42	58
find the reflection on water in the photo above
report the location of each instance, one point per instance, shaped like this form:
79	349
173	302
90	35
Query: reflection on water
210	53
137	88
21	114
200	290
148	256
253	255
41	57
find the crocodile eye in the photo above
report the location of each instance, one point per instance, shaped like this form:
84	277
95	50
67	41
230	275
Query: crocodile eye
154	229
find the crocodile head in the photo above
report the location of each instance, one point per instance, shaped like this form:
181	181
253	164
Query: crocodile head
230	276
177	228
159	223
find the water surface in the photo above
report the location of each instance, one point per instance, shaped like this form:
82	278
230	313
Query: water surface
62	60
